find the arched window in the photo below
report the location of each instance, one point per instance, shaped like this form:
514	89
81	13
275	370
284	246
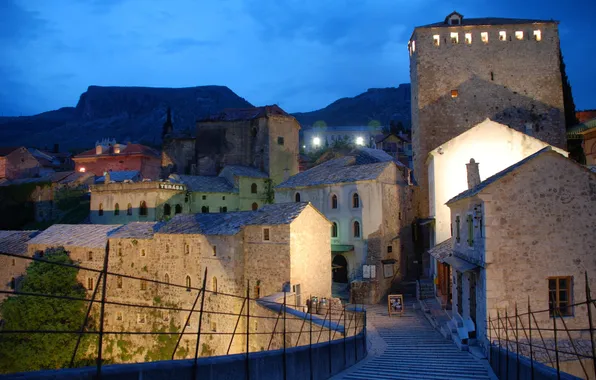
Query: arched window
355	200
90	256
255	206
166	279
178	209
167	210
334	230
187	249
143	208
119	282
13	283
297	197
356	229
334	201
100	211
129	209
188	283
253	188
214	284
204	209
116	209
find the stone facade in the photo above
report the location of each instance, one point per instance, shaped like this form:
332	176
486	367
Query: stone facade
456	84
397	146
17	163
530	223
327	136
12	268
589	146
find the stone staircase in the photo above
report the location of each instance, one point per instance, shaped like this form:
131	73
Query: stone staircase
426	289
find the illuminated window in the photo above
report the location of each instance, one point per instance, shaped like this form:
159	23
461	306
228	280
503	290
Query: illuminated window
413	46
537	35
437	40
502	35
454	37
119	282
454	93
484	37
265	234
519	35
89	283
167	210
143	285
100	212
560	296
334	230
356	229
82	170
297	197
468	38
253	188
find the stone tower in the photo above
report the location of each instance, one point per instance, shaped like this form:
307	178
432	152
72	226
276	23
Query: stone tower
464	70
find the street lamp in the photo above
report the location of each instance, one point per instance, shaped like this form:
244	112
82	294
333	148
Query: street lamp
316	141
359	140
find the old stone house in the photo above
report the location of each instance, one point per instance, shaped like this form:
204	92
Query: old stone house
464	70
110	155
397	146
16	163
525	233
12	268
367	198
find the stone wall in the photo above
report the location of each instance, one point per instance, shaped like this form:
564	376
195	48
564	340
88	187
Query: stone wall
178	156
148	166
282	158
515	82
18	164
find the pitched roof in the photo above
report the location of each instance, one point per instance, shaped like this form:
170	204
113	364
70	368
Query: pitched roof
15	242
245	171
383	137
6	150
442	250
487	21
231	223
120	176
136	230
235	114
54	177
482	185
577	131
206	184
130	149
75	235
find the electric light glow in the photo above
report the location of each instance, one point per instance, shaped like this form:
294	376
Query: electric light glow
316	141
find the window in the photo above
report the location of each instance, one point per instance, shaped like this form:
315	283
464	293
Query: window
119	316
334	230
118	282
258	290
214	284
355	201
492	76
204	197
13	283
253	188
178	209
470	230
223	209
143	284
389	249
559	296
204	209
502	35
468	38
140	318
167	210
356	229
116	209
454	37
213	327
223	198
214	250
120	252
166	279
484	37
14	262
297	197
167	248
255	206
437	40
413	46
265	234
129	209
143	208
89	283
457	228
334	201
188	284
280	140
100	212
454	93
537	35
90	256
187	249
143	253
519	35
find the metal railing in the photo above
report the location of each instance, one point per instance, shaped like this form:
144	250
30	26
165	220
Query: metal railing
344	321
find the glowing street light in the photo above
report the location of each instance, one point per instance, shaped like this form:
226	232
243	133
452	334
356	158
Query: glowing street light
316	141
360	140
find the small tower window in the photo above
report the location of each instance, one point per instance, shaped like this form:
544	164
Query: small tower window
468	38
214	250
484	37
143	208
519	35
265	234
334	230
334	201
100	212
214	284
167	248
120	252
355	201
297	197
119	316
255	206
178	209
356	229
116	209
89	283
143	253
253	188
143	284
188	284
389	249
204	197
280	140
90	256
537	35
502	35
129	209
14	262
454	37
13	284
437	40
454	93
167	210
166	279
187	249
413	46
119	282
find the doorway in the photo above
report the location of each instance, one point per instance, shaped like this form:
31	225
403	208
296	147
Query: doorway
339	268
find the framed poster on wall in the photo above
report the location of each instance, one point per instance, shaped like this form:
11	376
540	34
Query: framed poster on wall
395	303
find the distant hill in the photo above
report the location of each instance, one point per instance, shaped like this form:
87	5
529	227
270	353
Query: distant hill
382	104
126	113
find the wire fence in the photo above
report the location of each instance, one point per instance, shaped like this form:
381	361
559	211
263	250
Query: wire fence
259	324
561	334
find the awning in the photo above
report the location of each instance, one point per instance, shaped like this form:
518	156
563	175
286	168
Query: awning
442	250
341	248
460	265
422	222
444	253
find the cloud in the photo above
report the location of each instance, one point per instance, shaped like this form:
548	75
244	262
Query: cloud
18	25
175	45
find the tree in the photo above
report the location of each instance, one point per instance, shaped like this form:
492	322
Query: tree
35	351
573	145
320	124
374	123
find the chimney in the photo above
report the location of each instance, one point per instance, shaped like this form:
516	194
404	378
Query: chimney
473	173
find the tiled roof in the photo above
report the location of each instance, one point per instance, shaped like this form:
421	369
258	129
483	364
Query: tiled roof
120	176
578	130
77	235
232	222
206	184
136	230
442	250
55	177
369	155
6	150
487	21
482	185
235	114
21	181
245	171
128	150
15	242
383	137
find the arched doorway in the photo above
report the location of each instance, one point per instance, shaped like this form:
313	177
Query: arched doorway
340	269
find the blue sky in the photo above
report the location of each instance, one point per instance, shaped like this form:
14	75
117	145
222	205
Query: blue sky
300	54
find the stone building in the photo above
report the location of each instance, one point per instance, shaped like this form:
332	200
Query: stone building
367	197
586	132
525	233
315	138
16	163
237	188
12	268
265	138
110	155
397	146
464	70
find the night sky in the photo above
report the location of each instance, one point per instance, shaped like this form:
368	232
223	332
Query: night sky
300	54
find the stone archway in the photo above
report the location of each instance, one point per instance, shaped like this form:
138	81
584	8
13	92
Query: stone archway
339	269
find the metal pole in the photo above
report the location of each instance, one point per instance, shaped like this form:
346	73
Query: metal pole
345	335
186	323
310	338
507	343
196	363
236	327
365	332
273	332
499	338
285	358
589	305
329	341
101	312
74	354
530	333
355	333
247	329
490	341
516	346
555	309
